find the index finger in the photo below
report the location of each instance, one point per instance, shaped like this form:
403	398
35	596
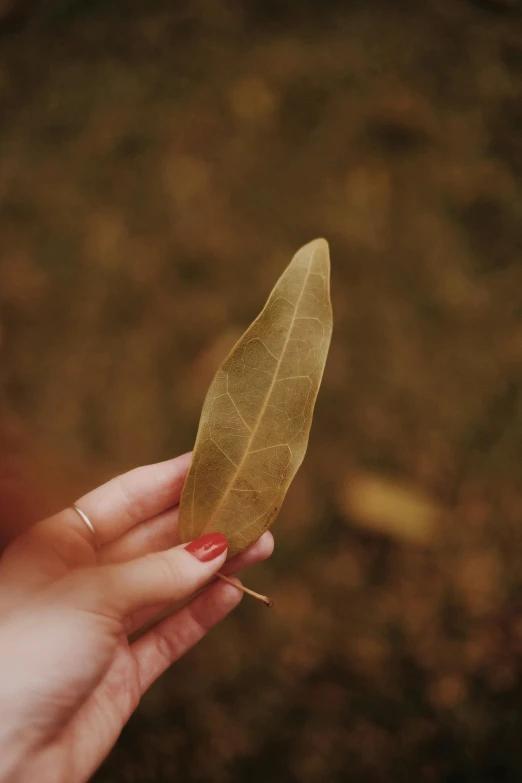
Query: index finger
113	508
134	497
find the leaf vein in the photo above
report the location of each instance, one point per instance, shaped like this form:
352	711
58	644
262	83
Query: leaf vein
237	409
266	448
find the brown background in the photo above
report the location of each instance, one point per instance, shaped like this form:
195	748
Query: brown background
160	163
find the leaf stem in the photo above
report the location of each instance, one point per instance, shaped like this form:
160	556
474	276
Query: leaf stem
264	598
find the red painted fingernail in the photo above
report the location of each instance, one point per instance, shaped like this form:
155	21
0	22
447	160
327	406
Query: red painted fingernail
208	547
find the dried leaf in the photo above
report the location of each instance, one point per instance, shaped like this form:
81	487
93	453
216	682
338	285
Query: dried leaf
256	418
381	505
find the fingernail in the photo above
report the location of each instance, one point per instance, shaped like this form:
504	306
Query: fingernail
208	547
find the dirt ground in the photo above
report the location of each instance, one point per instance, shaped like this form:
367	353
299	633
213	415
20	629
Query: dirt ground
160	163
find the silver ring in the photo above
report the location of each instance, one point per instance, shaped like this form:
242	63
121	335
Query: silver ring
87	521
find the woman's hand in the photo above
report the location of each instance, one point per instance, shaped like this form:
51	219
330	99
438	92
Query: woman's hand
69	678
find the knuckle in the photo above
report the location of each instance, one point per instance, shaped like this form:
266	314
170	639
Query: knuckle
166	646
133	508
127	698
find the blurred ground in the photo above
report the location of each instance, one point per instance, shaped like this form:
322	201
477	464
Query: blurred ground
160	163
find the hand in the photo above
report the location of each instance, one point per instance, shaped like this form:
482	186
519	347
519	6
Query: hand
69	678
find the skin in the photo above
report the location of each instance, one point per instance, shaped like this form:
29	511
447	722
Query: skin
69	677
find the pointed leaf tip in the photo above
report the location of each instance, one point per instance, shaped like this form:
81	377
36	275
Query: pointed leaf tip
317	244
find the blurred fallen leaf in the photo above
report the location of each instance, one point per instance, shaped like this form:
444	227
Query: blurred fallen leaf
378	504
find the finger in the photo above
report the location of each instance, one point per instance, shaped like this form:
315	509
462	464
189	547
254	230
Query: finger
122	503
157	649
161	532
155	535
163	577
259	551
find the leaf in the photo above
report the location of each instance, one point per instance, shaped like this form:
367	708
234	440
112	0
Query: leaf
256	418
381	505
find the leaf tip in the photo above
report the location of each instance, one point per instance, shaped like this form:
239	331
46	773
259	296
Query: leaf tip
317	245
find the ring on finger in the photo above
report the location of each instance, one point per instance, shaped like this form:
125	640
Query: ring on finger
83	516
